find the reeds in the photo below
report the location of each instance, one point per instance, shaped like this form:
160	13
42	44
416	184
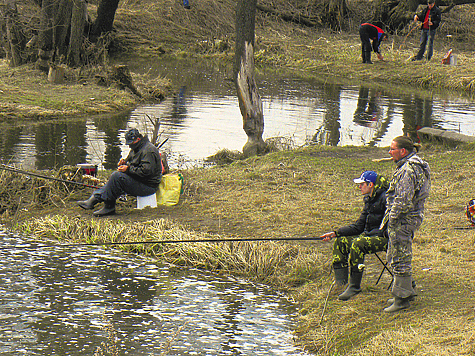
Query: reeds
276	263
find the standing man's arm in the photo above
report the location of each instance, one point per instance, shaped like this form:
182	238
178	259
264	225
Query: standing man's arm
405	190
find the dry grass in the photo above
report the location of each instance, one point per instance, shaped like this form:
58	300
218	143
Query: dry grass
306	192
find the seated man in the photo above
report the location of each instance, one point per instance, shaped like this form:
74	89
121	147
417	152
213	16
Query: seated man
361	237
137	175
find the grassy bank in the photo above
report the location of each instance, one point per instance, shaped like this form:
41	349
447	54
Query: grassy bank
293	193
304	193
164	29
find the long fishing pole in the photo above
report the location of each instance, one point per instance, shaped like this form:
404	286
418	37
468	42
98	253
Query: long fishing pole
30	247
416	25
160	145
16	170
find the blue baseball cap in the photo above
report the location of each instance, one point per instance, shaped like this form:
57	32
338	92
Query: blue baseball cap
367	177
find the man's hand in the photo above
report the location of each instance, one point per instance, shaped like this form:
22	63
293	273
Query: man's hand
123	168
328	236
416	18
121	162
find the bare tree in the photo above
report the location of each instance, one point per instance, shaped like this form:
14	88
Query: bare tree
78	21
12	35
62	29
249	100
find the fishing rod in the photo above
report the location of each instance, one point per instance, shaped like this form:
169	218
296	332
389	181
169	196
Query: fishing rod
16	170
416	25
160	145
29	247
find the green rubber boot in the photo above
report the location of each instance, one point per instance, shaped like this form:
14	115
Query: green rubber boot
341	274
355	284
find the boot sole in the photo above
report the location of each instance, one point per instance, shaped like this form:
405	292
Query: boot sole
85	207
390	309
348	297
409	299
99	214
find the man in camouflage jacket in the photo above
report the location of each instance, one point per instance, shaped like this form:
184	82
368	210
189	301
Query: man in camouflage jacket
408	190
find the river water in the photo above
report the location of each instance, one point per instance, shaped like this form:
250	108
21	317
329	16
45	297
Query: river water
203	117
56	301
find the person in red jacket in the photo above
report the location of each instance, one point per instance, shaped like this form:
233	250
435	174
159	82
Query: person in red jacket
430	18
374	33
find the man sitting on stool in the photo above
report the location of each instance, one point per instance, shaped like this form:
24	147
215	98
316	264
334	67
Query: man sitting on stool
137	175
362	237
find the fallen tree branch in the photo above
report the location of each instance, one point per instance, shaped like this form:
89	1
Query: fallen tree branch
300	19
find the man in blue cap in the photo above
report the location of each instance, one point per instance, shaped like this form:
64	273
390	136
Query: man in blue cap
137	175
363	237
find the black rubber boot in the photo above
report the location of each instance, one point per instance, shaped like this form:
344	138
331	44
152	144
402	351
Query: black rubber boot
368	57
341	274
355	284
107	209
399	304
90	203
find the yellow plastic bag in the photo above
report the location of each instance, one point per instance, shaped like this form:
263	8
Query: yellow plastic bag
170	189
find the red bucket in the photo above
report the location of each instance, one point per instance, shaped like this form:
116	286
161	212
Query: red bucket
89	169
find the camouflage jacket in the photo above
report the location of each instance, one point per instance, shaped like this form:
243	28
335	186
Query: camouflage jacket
408	190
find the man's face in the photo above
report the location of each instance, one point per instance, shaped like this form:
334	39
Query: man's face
396	153
366	188
430	6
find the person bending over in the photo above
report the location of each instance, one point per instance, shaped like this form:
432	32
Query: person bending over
371	32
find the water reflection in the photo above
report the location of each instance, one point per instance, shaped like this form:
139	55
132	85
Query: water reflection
56	302
203	116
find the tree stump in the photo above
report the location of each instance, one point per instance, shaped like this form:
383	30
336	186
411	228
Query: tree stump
56	74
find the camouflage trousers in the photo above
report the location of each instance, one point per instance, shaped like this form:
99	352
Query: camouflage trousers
356	247
399	254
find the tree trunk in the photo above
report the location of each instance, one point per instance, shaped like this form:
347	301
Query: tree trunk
249	100
45	35
105	17
62	27
78	22
14	36
334	13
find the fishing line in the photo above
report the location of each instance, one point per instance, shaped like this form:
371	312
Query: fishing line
30	247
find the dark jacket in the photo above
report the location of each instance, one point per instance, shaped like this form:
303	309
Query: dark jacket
144	163
373	212
435	17
374	33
